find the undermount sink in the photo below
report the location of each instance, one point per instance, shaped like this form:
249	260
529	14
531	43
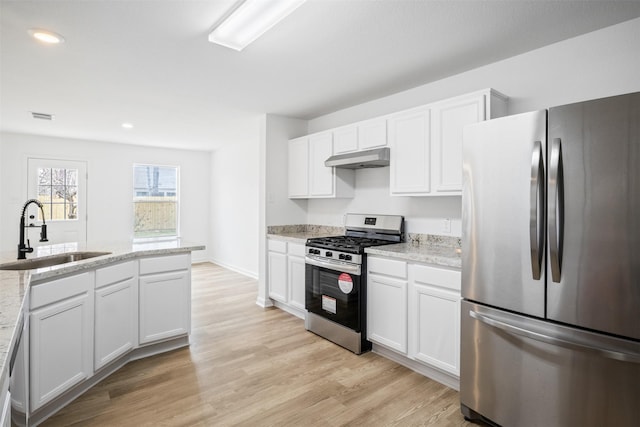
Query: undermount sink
49	261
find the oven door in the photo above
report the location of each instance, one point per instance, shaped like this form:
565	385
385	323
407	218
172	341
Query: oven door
333	292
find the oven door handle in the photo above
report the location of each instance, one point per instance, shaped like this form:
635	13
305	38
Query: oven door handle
333	265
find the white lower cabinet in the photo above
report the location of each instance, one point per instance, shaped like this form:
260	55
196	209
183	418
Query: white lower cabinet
165	297
116	312
296	275
435	317
277	270
286	275
387	303
61	336
414	310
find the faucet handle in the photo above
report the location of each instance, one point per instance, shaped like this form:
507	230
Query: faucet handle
43	233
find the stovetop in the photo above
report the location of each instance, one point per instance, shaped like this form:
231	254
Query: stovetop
349	244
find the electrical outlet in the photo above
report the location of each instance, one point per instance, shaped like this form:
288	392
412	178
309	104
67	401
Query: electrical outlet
446	225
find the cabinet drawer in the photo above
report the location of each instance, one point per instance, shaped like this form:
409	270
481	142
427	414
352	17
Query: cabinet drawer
115	273
296	249
277	246
387	267
60	289
448	279
165	263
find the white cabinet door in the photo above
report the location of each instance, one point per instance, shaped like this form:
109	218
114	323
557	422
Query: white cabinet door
434	316
296	281
387	312
277	273
372	134
345	139
321	178
298	168
448	119
61	347
436	327
116	325
165	305
409	138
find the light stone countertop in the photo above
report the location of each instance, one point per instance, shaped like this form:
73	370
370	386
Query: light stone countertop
428	248
447	256
301	232
14	284
431	249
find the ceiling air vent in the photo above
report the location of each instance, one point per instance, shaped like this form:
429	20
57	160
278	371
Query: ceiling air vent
42	116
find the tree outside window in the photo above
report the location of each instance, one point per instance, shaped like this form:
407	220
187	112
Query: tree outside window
58	193
155	201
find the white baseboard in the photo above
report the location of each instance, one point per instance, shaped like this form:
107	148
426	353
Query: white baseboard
264	302
302	314
435	374
240	270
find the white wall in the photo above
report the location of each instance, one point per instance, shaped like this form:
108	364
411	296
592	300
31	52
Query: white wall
235	208
598	64
109	198
275	206
279	208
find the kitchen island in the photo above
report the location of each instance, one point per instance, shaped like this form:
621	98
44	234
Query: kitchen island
32	297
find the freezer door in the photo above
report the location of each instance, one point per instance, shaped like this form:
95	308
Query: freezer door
594	215
503	212
518	372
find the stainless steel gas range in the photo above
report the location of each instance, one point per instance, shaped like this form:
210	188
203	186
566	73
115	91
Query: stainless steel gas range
336	286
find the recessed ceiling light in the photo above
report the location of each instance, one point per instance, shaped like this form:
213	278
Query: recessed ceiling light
46	36
127	125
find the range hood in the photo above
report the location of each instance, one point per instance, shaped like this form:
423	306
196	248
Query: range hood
375	158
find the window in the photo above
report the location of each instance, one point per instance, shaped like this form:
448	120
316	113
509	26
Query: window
155	201
57	190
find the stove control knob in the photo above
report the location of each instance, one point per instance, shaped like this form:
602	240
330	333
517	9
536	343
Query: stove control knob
347	257
342	256
328	254
316	251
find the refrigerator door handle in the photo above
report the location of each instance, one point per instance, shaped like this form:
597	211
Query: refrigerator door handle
536	210
556	209
512	329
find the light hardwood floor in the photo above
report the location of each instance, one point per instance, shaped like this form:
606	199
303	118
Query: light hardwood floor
259	367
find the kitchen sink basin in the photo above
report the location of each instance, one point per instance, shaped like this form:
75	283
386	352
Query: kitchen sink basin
49	261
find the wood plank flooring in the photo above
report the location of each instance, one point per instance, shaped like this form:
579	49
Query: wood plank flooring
248	366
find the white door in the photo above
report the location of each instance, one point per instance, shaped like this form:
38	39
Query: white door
61	186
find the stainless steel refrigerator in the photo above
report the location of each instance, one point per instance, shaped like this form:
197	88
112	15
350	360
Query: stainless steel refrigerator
550	319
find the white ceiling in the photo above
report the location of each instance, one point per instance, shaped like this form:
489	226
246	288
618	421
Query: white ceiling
149	62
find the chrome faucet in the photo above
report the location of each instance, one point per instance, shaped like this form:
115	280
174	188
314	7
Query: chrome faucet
22	248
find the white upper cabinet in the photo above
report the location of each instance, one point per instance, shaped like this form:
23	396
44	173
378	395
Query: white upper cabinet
360	136
372	134
321	178
345	139
409	139
309	177
430	164
448	119
298	167
425	148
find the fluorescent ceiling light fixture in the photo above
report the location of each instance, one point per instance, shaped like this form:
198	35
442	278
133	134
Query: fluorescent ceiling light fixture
46	36
127	125
251	20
